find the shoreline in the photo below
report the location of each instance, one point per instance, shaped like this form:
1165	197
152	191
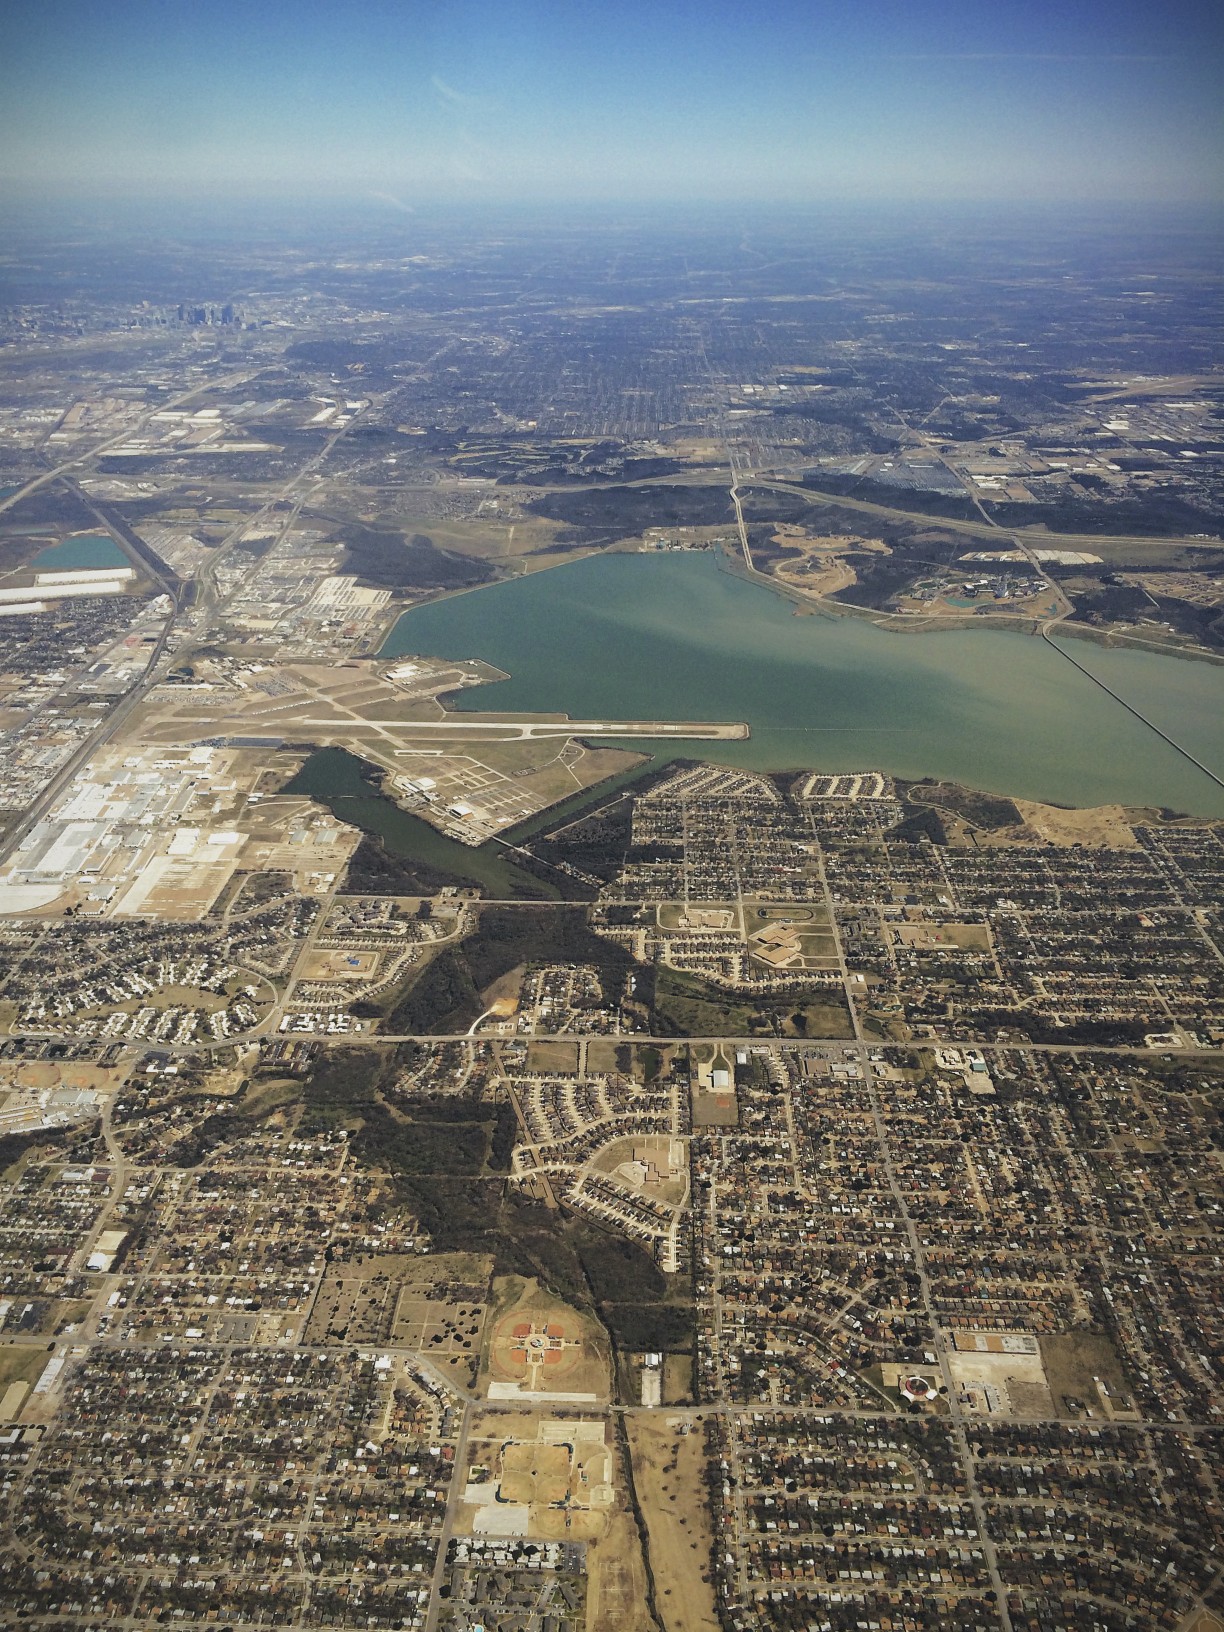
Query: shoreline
444	632
891	623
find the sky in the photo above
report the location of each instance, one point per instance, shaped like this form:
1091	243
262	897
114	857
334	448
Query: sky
407	103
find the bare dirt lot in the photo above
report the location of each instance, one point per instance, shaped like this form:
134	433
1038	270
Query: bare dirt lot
617	1582
922	936
602	1055
1104	825
715	1110
1073	1359
324	964
669	1473
548	1057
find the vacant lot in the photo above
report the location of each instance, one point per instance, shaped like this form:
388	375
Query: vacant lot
1100	825
668	1471
1073	1359
552	1057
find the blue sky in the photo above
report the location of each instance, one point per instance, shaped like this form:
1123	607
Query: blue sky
786	101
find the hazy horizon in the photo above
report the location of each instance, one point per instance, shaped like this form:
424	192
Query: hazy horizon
403	106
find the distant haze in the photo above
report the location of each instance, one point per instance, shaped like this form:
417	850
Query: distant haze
398	102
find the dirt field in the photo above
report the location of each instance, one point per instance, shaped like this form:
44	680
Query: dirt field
715	1110
819	566
668	1471
816	575
549	1057
1102	825
21	1364
677	1379
1073	1359
323	964
921	936
616	1585
37	1074
601	1055
1018	1382
535	1473
503	995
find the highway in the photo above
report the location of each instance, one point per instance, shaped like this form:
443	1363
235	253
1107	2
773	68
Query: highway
235	377
739	515
1129	707
1036	537
206	600
76	763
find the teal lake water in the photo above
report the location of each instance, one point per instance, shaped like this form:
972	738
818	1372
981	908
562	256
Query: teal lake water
334	778
75	554
674	637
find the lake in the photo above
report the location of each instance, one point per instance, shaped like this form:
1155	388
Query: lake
673	636
75	554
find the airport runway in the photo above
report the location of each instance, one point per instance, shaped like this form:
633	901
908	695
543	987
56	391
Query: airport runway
522	730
